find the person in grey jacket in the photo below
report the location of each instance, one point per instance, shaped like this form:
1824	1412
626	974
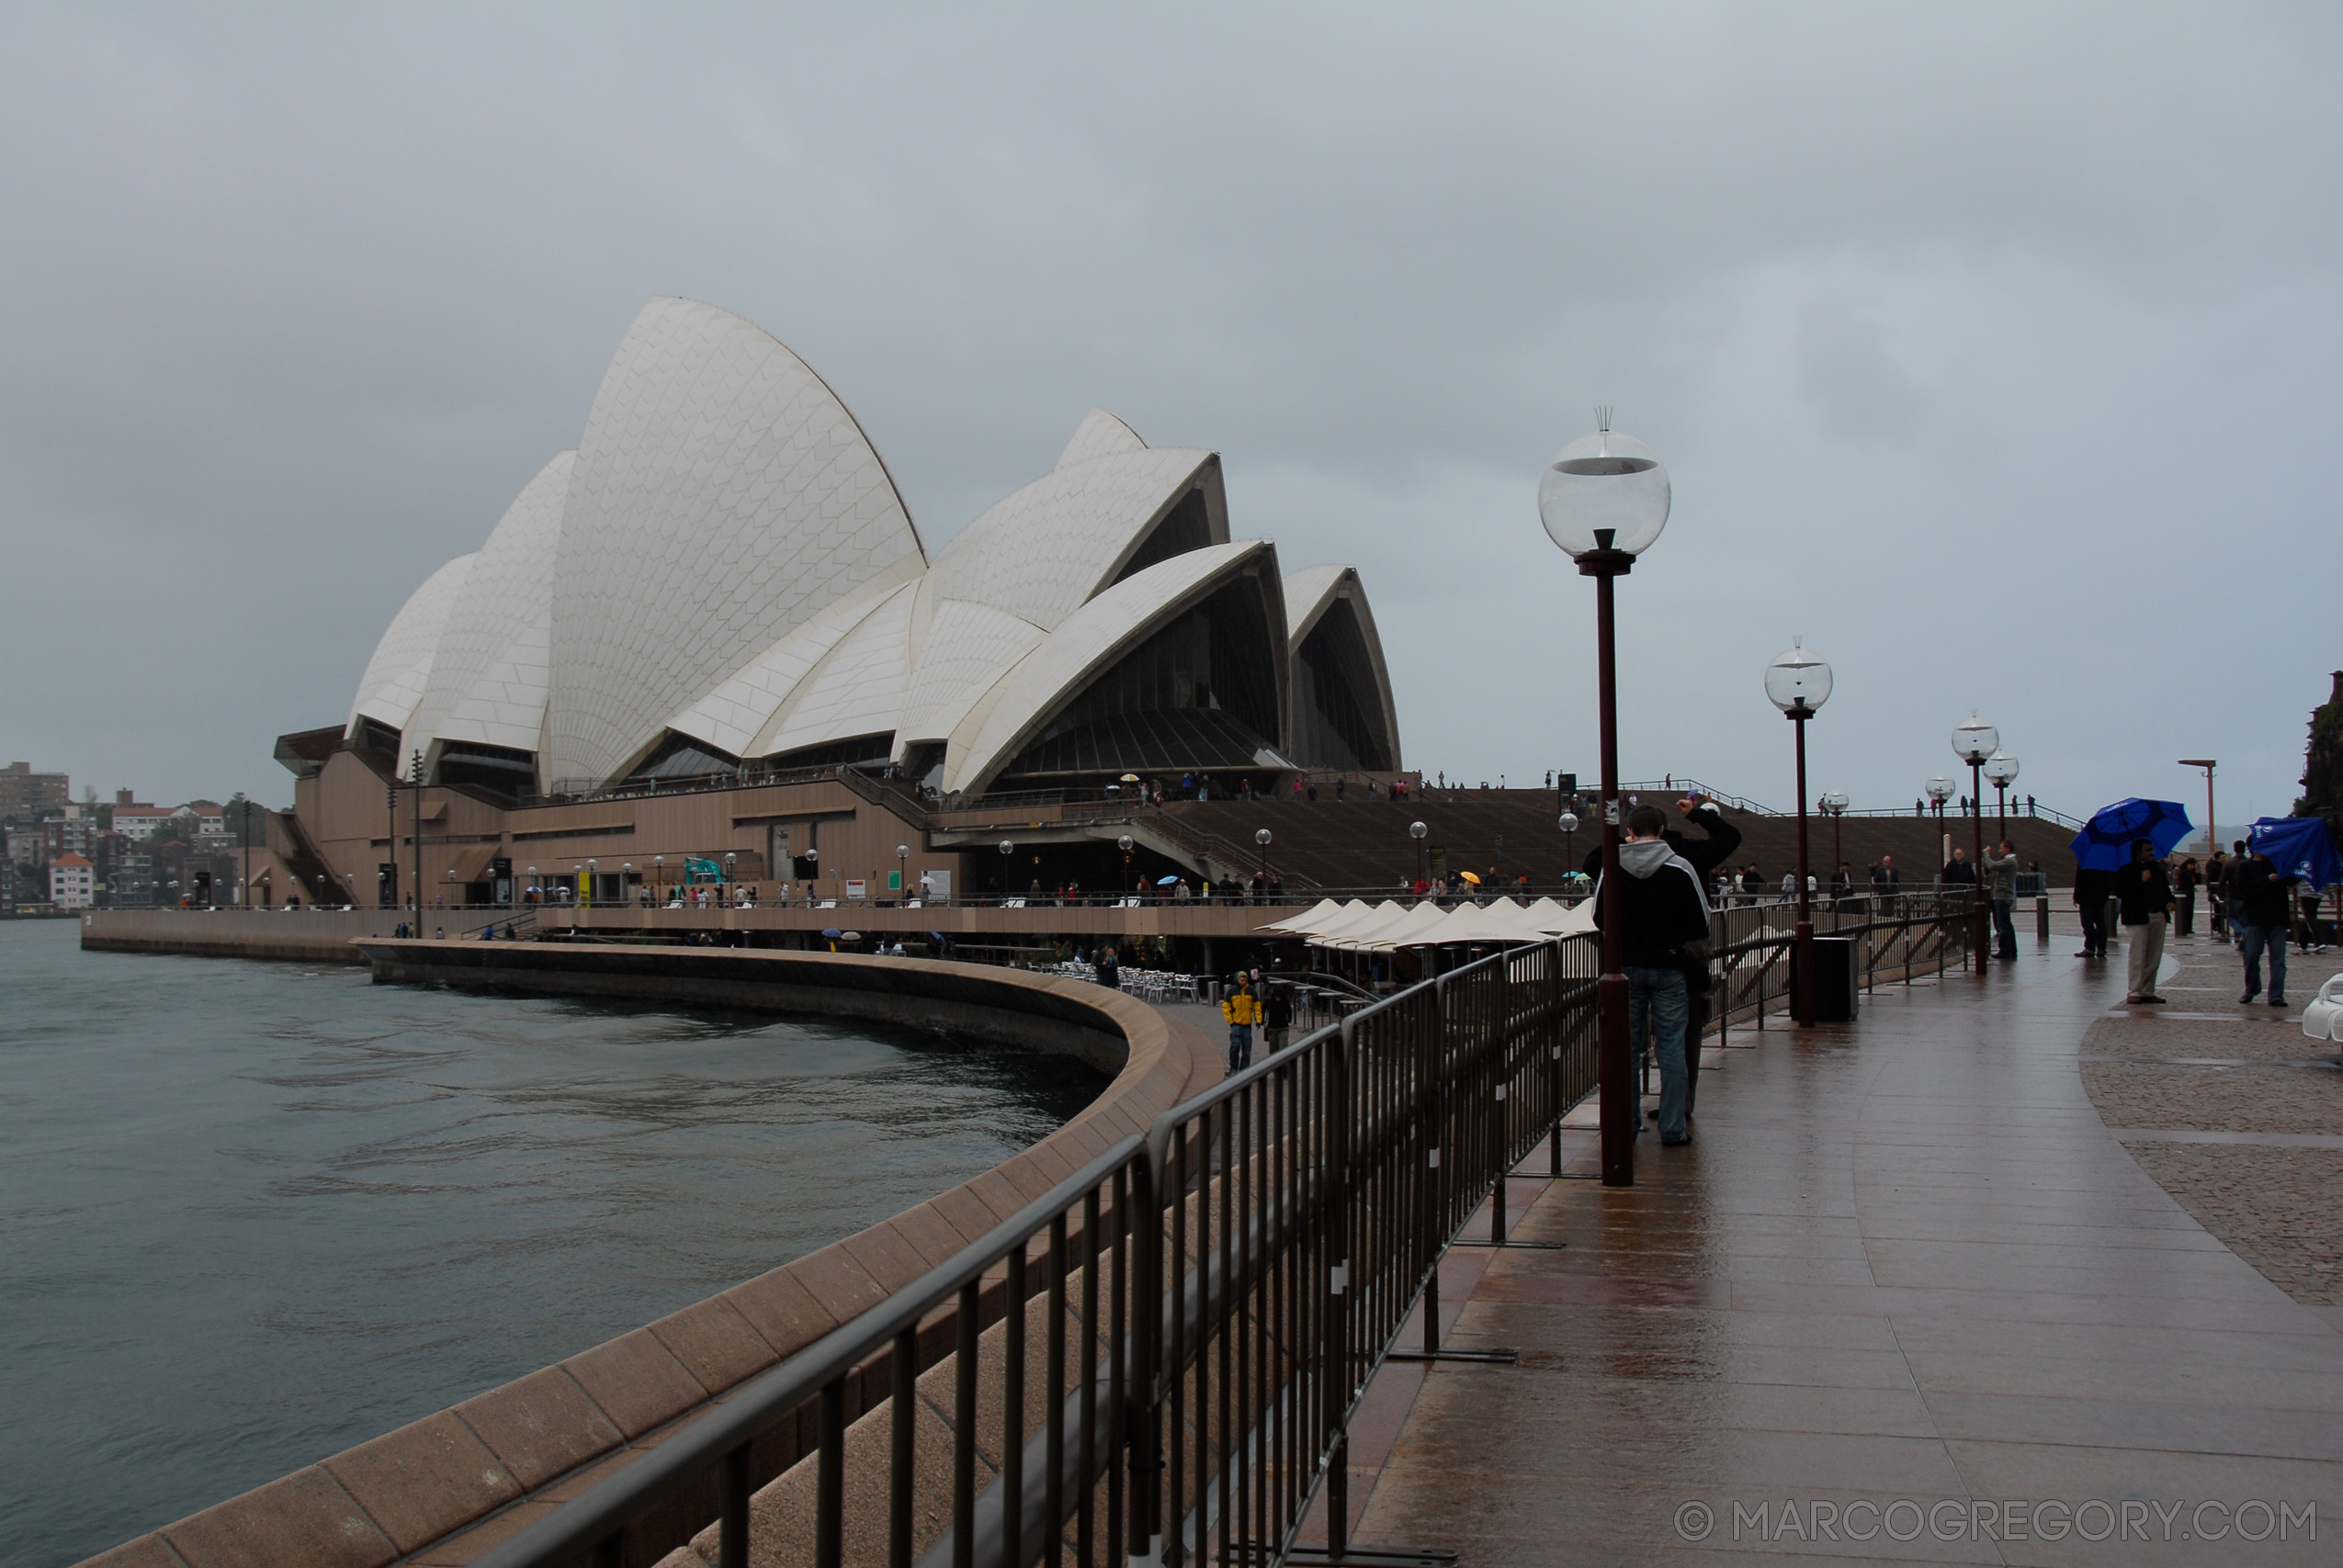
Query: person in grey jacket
2001	887
1662	908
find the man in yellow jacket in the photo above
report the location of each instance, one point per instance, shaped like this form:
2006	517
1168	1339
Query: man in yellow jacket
1242	1010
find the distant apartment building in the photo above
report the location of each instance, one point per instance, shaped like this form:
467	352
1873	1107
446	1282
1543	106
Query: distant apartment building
71	836
132	883
73	882
24	793
140	821
29	845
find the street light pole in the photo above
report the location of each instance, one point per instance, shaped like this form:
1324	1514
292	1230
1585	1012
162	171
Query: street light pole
1972	742
1603	500
418	772
2212	823
1416	831
1568	823
1798	683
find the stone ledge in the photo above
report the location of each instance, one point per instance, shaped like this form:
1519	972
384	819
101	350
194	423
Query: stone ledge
420	1493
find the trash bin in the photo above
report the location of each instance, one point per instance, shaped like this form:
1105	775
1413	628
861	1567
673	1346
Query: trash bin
1837	978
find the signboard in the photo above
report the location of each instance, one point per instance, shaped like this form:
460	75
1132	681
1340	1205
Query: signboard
856	887
894	882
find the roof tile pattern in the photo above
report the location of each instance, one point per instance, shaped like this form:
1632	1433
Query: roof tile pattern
490	678
723	496
1100	434
395	677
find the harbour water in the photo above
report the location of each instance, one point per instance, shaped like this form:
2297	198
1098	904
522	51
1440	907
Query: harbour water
253	1213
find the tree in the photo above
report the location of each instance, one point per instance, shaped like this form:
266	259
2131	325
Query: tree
2323	763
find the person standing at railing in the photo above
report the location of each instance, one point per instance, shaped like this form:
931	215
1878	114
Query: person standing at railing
1664	916
1887	881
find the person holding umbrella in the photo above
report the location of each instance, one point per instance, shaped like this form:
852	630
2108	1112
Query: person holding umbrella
2144	892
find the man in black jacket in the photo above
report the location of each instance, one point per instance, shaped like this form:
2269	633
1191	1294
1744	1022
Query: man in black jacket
1714	848
2146	893
2092	889
2259	912
1661	909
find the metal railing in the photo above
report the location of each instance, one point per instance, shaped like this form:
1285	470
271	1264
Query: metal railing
1160	1358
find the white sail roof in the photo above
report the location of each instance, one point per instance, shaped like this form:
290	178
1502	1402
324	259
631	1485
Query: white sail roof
722	497
725	558
493	668
397	675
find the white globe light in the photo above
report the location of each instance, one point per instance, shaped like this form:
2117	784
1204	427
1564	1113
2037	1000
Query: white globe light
1261	836
1940	789
1569	821
2001	767
1604	492
1417	830
1834	801
1797	681
1974	740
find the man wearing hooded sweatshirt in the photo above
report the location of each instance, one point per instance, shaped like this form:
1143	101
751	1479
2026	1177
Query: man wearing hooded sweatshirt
1715	845
1661	908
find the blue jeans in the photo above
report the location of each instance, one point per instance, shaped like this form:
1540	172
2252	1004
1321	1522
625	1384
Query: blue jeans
1657	997
2005	927
2256	938
1240	1047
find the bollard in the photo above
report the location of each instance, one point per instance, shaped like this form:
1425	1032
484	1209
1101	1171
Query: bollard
2042	917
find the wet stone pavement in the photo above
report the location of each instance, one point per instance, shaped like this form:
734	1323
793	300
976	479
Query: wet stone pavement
1910	1296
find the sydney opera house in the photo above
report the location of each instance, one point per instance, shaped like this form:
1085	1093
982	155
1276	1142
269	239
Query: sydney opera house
723	584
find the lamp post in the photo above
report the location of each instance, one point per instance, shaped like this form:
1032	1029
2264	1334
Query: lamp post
1261	837
1940	790
1416	831
1603	500
626	874
1974	741
451	887
658	879
1123	844
1834	806
534	889
1798	683
2002	769
1570	826
2212	829
725	893
587	888
902	873
1008	848
416	768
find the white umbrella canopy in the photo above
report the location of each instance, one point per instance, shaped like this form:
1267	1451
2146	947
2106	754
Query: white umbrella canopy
1389	918
1470	923
1556	919
1422	917
1316	915
1357	916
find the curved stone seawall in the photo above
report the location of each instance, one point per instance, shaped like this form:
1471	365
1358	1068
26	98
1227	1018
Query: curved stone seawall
444	1489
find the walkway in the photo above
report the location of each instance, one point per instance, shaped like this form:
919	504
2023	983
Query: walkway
1905	1260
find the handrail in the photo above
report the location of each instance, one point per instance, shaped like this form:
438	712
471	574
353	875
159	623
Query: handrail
1210	1303
596	1518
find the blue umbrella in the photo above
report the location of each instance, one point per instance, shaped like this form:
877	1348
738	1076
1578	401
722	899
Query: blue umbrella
2298	846
2105	842
1165	881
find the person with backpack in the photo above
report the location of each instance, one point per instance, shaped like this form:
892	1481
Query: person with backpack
1664	917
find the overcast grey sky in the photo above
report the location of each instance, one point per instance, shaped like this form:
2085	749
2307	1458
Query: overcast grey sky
1992	349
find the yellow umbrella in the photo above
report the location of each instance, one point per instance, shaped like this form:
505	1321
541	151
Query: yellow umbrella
1469	877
